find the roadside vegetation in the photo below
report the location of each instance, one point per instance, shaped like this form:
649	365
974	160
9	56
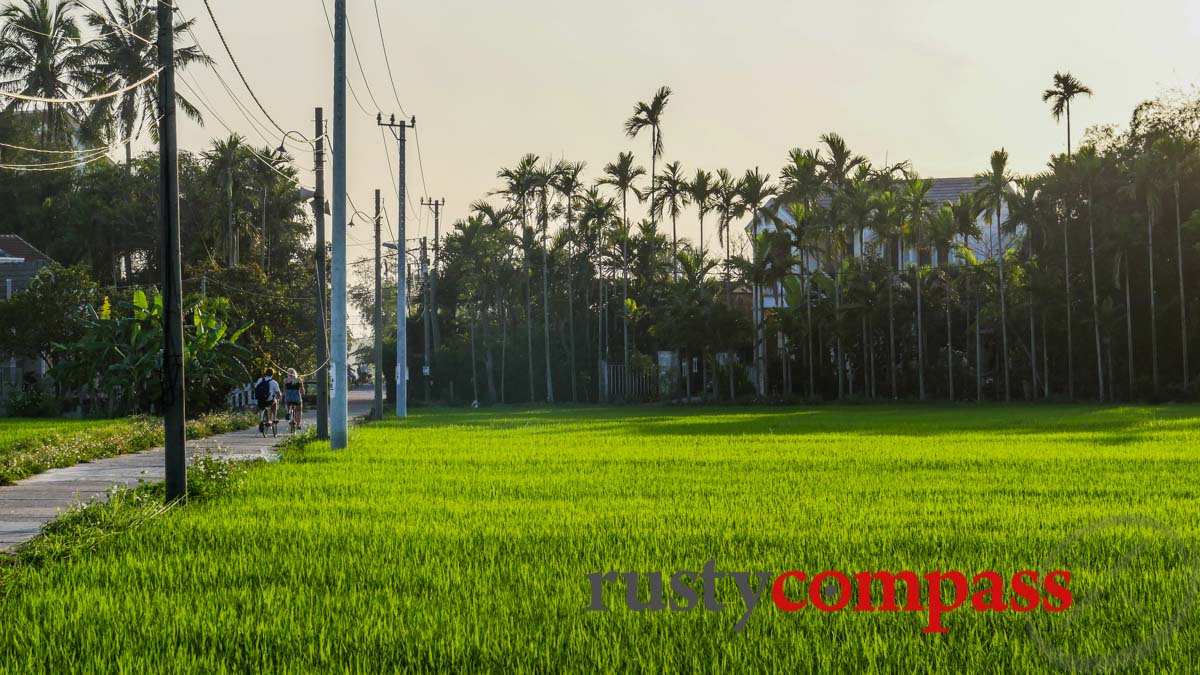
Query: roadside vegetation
461	541
30	446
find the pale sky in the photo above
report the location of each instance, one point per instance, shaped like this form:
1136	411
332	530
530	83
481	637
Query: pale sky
939	82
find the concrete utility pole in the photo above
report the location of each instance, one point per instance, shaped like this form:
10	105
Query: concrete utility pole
174	403
425	289
338	413
436	206
398	129
378	412
322	343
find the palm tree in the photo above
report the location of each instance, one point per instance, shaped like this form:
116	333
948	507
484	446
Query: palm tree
622	176
1146	172
121	58
568	182
671	192
994	189
520	186
943	230
839	165
40	56
1025	208
756	197
916	203
649	115
729	207
1178	154
702	189
1088	165
226	158
966	212
888	226
1065	88
543	181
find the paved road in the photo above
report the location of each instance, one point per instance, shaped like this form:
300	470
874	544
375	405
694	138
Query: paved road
30	503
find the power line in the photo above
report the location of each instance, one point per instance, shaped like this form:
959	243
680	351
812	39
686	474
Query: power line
387	60
353	93
238	68
116	25
84	99
354	47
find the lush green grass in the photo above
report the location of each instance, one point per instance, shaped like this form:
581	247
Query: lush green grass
461	541
29	446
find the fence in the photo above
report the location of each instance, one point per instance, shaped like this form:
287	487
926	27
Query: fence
625	384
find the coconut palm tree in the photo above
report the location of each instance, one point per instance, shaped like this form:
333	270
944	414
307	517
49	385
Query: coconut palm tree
702	189
40	56
649	116
994	188
622	176
671	192
117	59
569	182
226	158
1065	88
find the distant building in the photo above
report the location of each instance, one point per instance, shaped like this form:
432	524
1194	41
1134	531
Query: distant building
19	264
943	191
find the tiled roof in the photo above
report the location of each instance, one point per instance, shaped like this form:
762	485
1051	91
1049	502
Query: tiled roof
943	190
14	246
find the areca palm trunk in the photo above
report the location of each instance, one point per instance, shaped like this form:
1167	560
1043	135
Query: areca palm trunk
503	349
949	342
545	216
920	332
625	277
1003	307
978	353
529	327
1070	314
812	379
1128	330
1095	300
837	307
1182	296
474	373
891	330
1153	297
571	309
489	358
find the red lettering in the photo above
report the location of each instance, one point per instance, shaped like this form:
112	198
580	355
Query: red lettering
1057	591
1026	591
779	594
936	606
818	598
887	582
991	598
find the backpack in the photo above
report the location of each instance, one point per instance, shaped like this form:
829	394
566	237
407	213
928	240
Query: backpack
262	390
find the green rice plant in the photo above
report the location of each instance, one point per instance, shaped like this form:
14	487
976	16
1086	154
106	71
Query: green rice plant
463	541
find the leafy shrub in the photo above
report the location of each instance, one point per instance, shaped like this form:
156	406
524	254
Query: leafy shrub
31	402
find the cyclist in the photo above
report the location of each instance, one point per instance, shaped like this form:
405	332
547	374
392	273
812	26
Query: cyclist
266	391
293	395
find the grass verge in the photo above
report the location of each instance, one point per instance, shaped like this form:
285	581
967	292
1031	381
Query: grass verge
37	449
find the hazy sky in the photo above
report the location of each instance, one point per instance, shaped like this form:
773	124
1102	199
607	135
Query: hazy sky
939	82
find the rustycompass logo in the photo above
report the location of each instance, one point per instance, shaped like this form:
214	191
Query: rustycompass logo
935	593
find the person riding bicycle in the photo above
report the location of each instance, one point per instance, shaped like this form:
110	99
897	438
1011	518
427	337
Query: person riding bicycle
266	392
293	396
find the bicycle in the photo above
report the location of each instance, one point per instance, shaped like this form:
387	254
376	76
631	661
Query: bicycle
265	419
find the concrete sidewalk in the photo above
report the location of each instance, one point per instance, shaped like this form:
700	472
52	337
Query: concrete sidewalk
29	504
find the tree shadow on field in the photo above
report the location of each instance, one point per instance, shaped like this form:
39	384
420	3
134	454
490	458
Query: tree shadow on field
1108	426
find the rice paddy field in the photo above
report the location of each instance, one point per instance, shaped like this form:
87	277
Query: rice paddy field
463	541
14	430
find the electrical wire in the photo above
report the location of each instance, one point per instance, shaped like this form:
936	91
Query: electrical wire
79	165
358	60
84	99
387	60
238	68
79	40
116	25
353	93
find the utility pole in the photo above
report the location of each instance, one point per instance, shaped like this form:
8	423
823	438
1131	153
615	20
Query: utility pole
174	403
398	130
425	289
378	315
436	206
322	344
338	413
